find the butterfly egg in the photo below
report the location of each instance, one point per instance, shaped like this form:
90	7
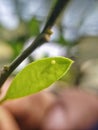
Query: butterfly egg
53	62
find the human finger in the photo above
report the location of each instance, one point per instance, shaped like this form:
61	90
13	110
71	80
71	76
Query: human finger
7	121
76	110
29	111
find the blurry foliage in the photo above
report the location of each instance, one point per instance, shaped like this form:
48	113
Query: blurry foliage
33	27
16	46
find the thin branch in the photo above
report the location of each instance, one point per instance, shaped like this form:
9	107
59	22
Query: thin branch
41	38
55	12
7	70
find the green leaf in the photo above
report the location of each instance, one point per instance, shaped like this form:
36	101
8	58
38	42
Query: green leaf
33	27
37	76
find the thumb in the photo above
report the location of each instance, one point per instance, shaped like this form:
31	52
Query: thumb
7	121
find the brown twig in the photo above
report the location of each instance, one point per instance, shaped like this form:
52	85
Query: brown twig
43	37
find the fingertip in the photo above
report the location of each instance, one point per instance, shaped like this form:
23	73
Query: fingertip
55	119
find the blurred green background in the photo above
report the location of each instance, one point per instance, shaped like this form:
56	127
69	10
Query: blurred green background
75	35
